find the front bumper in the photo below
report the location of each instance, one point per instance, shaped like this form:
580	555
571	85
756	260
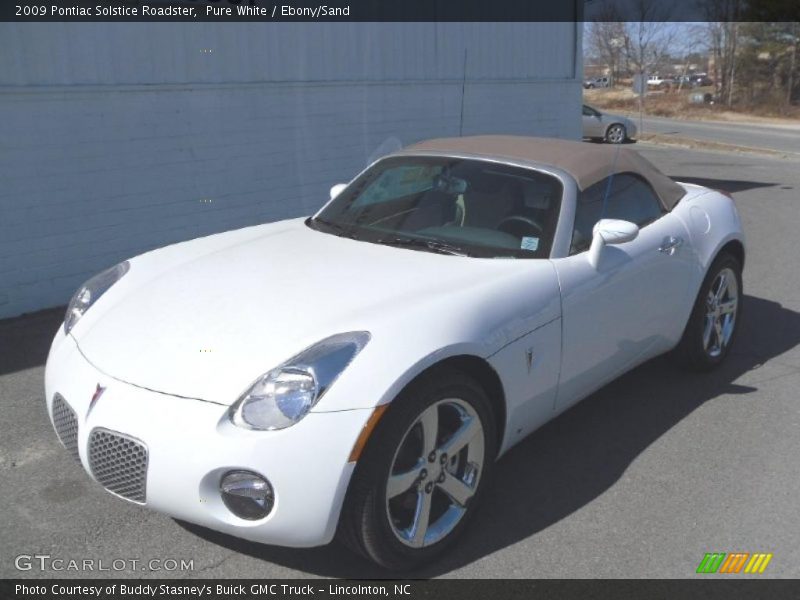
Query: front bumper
191	444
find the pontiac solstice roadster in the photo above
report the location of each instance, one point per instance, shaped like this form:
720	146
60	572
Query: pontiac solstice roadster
357	373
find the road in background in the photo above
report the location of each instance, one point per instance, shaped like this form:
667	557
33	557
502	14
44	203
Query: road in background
781	138
639	480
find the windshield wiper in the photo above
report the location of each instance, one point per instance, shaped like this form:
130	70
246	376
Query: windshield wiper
432	245
336	228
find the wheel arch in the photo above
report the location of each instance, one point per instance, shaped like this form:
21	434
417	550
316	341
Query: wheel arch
479	369
734	247
732	244
472	365
483	373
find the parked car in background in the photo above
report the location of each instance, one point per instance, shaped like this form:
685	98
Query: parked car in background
613	129
701	80
655	80
597	82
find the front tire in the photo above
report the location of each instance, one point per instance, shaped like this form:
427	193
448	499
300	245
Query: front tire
616	134
712	326
422	473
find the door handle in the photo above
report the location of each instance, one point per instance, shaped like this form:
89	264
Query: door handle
670	244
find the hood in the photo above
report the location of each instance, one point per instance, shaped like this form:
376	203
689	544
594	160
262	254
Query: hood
203	319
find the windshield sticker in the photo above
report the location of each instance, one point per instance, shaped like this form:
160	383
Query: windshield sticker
530	243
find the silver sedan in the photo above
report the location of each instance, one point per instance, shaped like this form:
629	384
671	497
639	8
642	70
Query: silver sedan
614	129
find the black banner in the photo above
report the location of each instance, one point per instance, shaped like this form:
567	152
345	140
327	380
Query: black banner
399	10
289	10
450	589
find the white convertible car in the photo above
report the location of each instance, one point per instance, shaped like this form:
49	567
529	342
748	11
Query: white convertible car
357	373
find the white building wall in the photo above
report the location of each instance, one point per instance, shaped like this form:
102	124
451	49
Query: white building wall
119	138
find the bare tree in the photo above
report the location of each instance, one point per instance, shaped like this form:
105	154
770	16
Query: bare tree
648	40
688	43
766	63
782	20
792	65
723	30
607	43
606	38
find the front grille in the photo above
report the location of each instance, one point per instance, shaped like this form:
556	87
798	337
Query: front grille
65	422
119	463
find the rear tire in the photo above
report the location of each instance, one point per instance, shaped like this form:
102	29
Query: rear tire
714	321
384	523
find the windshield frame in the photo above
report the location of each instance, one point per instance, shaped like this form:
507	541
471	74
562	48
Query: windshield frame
558	241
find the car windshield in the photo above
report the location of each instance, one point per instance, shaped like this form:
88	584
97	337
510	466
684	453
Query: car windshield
448	205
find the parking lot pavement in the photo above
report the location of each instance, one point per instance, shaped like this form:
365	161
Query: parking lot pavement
639	480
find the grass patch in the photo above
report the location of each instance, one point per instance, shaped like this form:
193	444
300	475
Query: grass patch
676	105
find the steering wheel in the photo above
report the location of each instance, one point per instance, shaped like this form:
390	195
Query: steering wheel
512	225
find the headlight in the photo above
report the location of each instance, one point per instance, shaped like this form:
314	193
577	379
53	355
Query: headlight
284	395
90	291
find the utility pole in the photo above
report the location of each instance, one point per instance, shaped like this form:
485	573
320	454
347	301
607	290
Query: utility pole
792	60
642	92
734	33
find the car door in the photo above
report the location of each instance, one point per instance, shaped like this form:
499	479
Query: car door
592	123
627	309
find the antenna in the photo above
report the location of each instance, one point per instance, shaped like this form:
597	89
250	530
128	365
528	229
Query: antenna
610	179
463	86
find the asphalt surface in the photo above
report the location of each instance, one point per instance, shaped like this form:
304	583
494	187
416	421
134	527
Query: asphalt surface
639	480
781	138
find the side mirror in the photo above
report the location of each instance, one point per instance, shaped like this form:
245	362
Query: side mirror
609	232
337	189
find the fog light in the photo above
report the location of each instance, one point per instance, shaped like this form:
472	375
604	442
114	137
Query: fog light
246	494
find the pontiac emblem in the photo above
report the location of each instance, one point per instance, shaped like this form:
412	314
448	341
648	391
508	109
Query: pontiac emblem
95	397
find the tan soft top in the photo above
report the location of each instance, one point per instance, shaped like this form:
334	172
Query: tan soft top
587	163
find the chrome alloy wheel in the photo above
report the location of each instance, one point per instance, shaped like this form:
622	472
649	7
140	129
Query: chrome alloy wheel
435	472
720	318
616	134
